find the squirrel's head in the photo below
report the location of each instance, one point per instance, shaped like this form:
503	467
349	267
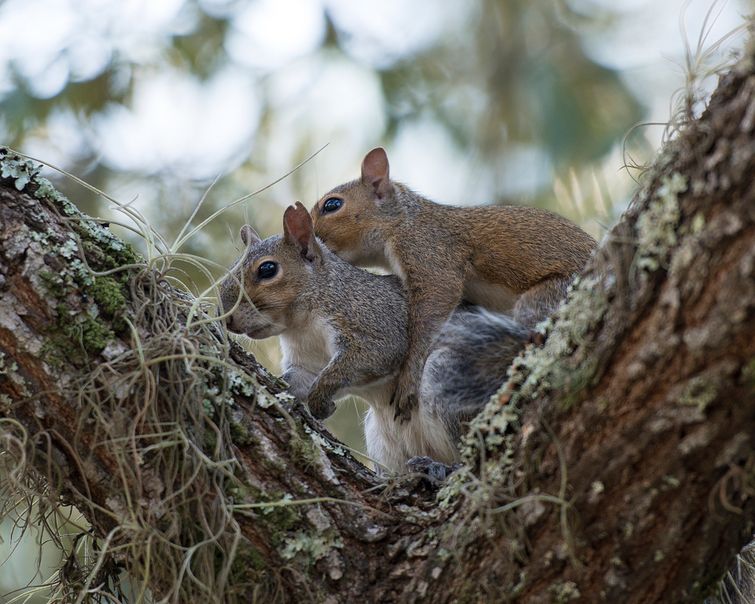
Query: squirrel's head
263	292
349	217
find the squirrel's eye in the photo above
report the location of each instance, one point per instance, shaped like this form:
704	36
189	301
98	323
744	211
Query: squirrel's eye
331	205
267	270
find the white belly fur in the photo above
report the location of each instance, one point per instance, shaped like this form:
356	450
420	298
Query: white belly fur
392	443
310	347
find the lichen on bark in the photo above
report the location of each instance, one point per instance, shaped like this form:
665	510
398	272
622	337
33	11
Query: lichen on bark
616	465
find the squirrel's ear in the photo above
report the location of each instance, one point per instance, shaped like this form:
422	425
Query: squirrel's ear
298	231
249	235
375	171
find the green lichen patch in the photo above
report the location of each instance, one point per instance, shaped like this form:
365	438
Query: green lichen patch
309	547
322	442
90	310
564	361
22	172
89	334
699	392
564	592
496	426
107	250
656	228
240	433
280	519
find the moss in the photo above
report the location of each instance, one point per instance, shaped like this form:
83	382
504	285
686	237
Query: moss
110	299
53	352
240	434
108	294
282	517
209	440
304	451
81	299
279	519
90	334
282	520
54	284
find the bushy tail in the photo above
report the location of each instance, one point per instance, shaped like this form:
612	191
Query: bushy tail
468	363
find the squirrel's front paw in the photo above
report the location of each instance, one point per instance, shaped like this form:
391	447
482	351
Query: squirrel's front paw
321	407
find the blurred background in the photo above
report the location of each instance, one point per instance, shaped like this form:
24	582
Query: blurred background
538	102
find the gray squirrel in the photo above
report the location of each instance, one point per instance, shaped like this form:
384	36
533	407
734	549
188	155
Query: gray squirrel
344	331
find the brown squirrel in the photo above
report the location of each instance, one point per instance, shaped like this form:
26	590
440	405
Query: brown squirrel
498	257
343	331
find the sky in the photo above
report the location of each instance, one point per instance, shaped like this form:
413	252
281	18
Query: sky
197	130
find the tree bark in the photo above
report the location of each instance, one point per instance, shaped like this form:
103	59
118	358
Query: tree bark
617	464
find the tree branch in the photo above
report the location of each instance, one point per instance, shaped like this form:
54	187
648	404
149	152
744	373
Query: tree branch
616	465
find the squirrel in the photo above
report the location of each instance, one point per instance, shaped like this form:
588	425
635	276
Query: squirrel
343	331
498	257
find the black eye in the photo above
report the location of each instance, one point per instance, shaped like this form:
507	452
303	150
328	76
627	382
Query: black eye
267	270
331	205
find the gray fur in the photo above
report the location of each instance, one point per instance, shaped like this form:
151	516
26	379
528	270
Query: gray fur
468	363
345	331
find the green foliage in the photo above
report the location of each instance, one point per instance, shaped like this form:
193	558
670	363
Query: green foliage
542	90
551	95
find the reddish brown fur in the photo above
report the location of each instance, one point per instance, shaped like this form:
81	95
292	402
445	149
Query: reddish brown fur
489	255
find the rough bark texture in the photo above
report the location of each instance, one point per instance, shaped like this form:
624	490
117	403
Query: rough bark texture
617	465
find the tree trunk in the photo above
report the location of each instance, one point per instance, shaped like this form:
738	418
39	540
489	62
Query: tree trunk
617	465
